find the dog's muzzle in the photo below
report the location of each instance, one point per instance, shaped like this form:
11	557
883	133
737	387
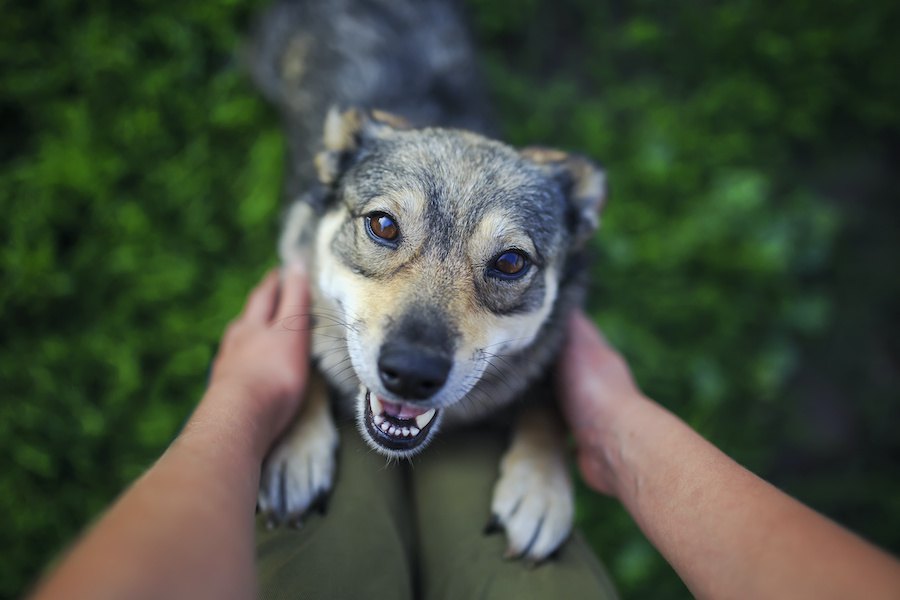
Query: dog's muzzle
397	427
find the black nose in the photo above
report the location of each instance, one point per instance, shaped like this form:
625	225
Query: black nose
412	372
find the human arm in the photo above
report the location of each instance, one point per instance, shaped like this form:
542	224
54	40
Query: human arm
725	531
185	528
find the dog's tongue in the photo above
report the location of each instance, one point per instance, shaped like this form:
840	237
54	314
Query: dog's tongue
402	411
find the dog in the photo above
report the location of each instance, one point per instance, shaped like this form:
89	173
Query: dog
443	263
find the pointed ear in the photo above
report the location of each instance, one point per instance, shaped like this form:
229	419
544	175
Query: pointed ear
582	181
347	133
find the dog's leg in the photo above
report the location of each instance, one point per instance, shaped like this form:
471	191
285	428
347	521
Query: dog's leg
299	471
533	499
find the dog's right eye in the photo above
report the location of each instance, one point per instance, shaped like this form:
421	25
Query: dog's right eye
510	264
382	228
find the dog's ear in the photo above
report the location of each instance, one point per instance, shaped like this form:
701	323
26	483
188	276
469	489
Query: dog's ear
347	134
582	181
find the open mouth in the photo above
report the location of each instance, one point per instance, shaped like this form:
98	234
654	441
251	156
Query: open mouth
397	426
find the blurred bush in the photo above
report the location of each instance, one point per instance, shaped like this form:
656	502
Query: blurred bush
745	264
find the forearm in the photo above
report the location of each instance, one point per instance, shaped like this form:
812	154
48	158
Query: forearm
185	528
725	531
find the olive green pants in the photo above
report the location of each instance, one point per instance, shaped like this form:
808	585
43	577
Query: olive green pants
416	531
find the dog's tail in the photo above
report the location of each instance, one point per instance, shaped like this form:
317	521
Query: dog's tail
413	58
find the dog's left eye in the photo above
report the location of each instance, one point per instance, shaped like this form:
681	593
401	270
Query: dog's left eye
509	264
382	228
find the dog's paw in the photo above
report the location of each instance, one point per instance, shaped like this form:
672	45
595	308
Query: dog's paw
299	472
533	502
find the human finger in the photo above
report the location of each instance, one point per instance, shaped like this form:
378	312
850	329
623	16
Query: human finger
588	359
294	296
585	344
261	302
584	332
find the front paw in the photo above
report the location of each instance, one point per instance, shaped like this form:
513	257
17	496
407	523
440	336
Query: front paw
533	502
299	472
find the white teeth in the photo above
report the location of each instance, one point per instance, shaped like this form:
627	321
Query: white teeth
425	418
379	418
375	405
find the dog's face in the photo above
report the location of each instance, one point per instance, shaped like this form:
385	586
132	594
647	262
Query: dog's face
443	252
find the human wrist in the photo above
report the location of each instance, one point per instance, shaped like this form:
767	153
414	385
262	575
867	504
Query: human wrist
229	414
604	446
642	429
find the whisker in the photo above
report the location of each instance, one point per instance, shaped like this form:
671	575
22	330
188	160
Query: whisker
331	352
499	357
329	337
340	372
498	378
507	341
476	393
351	374
481	401
335	319
287	323
343	361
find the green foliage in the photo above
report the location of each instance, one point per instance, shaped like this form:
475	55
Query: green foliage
744	265
140	188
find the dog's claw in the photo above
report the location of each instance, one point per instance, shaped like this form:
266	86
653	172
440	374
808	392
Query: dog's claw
533	500
493	525
299	471
320	503
530	562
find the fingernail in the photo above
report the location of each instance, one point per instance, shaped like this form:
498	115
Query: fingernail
584	325
297	267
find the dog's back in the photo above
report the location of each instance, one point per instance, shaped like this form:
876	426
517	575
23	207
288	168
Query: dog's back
412	58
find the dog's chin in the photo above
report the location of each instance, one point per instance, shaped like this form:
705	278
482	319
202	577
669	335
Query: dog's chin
395	429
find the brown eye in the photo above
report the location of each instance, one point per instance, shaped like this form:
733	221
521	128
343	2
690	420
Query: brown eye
382	227
511	264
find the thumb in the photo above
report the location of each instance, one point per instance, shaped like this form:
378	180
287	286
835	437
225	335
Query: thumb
294	297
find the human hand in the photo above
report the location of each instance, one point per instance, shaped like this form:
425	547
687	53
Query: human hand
264	353
594	387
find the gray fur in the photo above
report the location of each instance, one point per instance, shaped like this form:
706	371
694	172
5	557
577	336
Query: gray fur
413	58
431	298
409	57
461	179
